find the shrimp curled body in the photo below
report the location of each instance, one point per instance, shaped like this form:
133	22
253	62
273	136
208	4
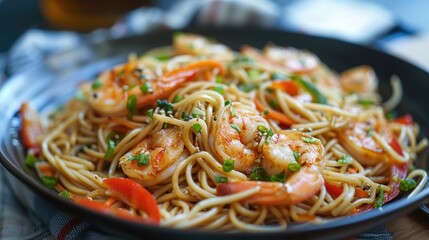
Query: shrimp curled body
165	149
275	156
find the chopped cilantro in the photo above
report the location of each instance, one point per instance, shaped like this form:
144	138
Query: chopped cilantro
49	181
407	184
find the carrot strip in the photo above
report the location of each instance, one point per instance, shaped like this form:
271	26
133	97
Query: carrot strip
197	65
360	193
287	86
273	114
46	170
208	75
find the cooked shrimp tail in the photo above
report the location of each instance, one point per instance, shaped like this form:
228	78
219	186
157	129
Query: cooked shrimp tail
297	189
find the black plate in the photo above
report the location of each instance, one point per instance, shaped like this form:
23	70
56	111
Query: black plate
47	89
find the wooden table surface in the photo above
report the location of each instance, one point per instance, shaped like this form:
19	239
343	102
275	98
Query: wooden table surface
414	226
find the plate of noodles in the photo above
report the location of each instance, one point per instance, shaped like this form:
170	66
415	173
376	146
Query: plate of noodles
223	133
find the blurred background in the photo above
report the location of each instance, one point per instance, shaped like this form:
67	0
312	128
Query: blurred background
33	28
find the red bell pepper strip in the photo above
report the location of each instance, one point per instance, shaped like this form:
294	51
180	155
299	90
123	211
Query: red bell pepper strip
337	191
273	114
406	119
396	146
360	193
106	209
135	195
31	127
333	190
396	174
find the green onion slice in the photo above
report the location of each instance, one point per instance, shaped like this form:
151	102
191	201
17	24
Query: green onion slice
219	89
228	165
366	103
345	159
197	112
262	129
221	179
312	89
142	159
233	111
296	155
309	139
281	177
248	87
64	194
253	73
270	133
233	125
97	84
177	98
131	104
274	104
30	160
146	88
110	149
49	181
294	167
149	113
379	201
197	127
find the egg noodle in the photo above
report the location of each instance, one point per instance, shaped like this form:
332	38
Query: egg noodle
252	140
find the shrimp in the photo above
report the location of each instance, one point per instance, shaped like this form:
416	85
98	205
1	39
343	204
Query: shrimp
290	59
297	61
194	44
154	159
285	148
110	93
357	138
361	79
235	135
